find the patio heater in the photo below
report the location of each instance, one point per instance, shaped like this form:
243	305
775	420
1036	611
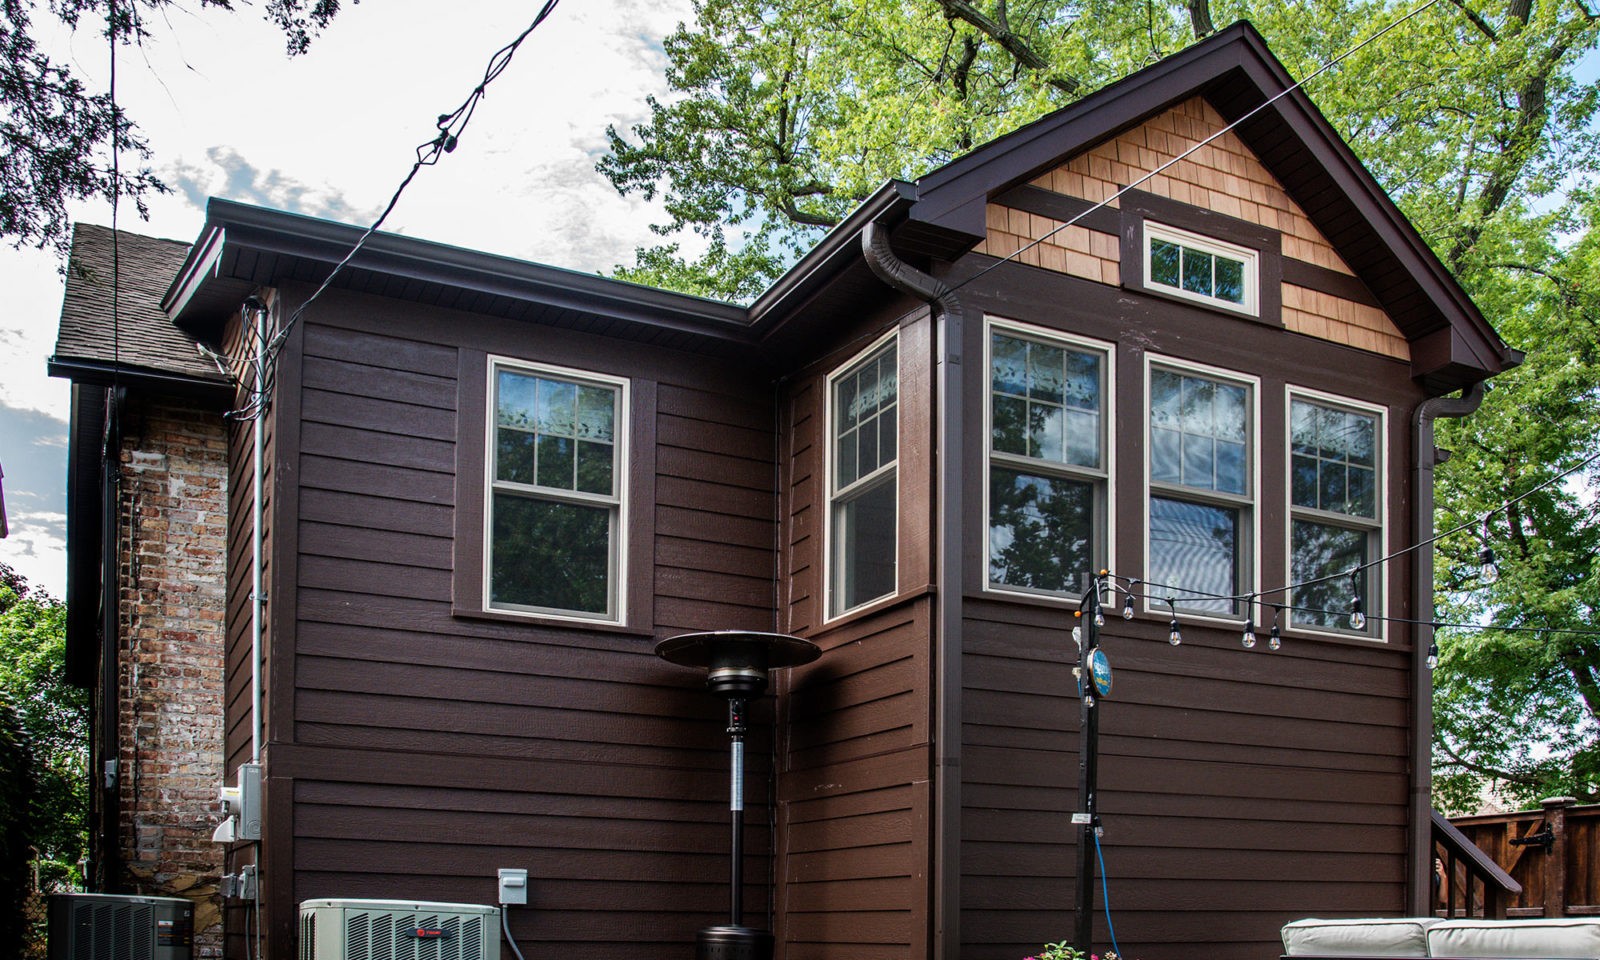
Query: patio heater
736	663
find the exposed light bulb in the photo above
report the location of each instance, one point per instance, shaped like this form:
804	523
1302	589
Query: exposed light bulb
1099	616
1433	655
1358	619
1486	565
1275	638
1127	607
1174	635
1247	639
1088	699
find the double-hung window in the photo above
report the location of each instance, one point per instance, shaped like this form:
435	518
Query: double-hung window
1048	460
1202	488
555	521
1336	509
863	496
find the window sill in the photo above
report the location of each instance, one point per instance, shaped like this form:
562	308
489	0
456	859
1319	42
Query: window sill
872	609
548	622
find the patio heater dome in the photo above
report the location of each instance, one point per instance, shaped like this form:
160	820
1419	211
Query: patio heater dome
737	662
737	665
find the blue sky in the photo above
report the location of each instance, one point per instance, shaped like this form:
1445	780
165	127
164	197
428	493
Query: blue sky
330	134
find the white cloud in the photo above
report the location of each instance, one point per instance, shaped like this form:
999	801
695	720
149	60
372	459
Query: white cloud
332	133
36	547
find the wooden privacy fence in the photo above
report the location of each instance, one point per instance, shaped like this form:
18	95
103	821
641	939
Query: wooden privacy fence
1550	852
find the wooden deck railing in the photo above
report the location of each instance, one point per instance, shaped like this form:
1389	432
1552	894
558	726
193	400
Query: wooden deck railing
1471	884
1552	852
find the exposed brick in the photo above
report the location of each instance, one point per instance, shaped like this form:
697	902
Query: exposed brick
172	532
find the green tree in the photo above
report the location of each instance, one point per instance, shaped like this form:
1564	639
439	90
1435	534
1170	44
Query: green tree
16	818
1518	710
53	717
1473	115
55	131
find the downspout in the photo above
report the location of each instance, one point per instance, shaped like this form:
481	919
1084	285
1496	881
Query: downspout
1424	457
951	317
258	446
110	640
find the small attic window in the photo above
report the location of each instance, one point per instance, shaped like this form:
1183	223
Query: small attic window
1187	265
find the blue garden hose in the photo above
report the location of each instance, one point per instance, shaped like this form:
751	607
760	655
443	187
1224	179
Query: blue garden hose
1105	894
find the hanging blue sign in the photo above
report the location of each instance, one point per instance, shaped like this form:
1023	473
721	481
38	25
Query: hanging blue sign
1100	670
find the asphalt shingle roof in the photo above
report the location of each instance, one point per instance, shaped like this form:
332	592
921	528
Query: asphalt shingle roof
142	335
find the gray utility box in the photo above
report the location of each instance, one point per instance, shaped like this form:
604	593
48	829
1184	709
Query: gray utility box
111	926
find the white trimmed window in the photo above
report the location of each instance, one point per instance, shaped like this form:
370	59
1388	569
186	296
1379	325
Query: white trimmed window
1048	460
863	413
1335	509
554	523
1187	265
1202	488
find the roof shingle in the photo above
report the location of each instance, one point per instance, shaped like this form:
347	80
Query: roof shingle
142	335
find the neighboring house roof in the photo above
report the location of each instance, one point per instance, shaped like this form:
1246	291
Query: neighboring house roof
940	215
137	339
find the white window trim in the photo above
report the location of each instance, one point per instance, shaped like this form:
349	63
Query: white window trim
1105	523
1250	581
617	573
1250	258
831	494
1380	593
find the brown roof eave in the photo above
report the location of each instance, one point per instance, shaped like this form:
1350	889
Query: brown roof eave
243	247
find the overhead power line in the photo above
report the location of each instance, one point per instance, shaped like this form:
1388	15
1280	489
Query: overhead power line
1145	178
451	126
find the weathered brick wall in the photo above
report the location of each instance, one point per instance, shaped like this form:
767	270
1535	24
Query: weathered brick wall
172	528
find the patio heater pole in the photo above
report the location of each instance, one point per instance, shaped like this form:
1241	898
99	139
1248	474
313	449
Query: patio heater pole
737	663
1087	817
736	731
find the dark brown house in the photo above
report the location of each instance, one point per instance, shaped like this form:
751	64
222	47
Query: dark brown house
489	485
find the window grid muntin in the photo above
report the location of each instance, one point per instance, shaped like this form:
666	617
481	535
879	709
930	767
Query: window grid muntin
1196	246
1030	390
1200	441
1241	504
863	428
846	420
614	501
1312	452
1372	528
1050	471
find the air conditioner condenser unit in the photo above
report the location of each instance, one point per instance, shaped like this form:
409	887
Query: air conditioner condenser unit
398	930
109	926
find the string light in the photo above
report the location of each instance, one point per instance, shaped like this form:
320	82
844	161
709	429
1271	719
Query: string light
1433	648
1174	632
1487	569
451	127
1127	600
1247	639
1275	638
1358	619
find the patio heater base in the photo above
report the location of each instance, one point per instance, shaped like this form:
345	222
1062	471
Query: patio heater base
733	943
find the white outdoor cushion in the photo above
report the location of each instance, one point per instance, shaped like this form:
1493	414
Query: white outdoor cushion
1542	939
1400	937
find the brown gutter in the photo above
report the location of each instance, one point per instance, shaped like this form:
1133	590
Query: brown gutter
1424	457
951	318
